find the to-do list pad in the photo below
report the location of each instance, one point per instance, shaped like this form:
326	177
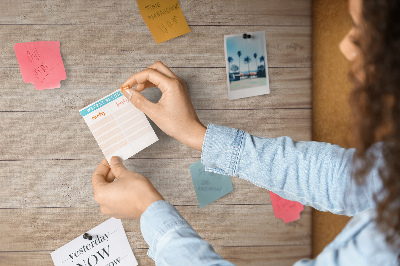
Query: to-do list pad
118	126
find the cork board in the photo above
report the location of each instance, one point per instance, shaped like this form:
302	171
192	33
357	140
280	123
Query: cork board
331	89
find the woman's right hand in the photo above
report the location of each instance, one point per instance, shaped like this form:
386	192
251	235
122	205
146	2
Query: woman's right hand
173	113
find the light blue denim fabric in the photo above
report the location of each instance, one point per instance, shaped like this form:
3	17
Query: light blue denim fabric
312	173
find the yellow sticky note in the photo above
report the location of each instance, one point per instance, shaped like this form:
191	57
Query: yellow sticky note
164	18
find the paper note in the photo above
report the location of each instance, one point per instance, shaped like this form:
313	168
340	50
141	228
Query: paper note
118	126
246	65
164	18
209	186
41	64
284	209
109	246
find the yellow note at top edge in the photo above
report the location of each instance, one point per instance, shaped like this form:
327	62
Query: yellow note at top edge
164	18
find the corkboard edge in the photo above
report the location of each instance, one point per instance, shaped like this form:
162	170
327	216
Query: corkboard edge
331	90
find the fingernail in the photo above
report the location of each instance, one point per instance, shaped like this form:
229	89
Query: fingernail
129	93
115	160
124	88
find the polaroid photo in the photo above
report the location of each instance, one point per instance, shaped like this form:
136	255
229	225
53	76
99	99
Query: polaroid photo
246	65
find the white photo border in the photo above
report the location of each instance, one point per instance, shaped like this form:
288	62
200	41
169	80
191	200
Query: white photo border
247	92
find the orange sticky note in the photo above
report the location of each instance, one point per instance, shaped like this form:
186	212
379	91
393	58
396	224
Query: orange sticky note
164	18
41	63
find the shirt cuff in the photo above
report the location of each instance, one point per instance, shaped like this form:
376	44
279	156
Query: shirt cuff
157	220
222	148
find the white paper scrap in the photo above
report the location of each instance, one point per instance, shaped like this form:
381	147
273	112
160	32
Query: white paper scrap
108	247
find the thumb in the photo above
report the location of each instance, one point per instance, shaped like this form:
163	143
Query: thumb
138	100
100	174
117	167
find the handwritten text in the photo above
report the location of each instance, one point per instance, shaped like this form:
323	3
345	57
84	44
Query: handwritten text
122	102
100	114
164	11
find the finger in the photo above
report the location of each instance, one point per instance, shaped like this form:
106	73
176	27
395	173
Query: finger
140	102
139	87
160	67
110	177
104	210
160	80
100	174
117	167
142	86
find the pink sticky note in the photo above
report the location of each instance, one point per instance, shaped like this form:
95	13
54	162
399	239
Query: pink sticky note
284	209
41	64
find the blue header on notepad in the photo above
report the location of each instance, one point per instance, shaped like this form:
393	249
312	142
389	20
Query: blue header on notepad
100	103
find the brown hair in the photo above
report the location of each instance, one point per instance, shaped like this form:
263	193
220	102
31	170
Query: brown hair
376	107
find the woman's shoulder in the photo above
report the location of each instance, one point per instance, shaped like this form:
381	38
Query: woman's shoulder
363	239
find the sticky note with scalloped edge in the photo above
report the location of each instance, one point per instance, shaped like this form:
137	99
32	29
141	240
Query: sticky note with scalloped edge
209	186
284	209
41	64
164	18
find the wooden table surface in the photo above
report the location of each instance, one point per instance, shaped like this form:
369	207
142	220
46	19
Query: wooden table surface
48	154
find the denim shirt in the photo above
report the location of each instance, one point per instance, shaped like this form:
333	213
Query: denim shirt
312	173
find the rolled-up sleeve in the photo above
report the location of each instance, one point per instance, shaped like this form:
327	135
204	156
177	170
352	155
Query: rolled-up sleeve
316	174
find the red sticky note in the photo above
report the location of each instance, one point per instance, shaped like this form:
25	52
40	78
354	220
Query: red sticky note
41	64
284	209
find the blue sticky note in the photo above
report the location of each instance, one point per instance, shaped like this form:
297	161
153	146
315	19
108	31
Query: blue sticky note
209	186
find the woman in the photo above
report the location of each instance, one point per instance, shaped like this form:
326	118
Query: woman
316	174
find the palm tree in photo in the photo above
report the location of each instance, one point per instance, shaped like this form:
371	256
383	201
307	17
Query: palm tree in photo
247	60
262	59
234	68
261	72
239	55
230	60
255	59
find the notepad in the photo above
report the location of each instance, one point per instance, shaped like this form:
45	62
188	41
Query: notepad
118	126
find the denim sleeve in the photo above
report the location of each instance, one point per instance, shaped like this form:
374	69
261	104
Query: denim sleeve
360	243
172	241
312	173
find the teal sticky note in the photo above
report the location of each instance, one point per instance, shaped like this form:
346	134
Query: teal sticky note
209	186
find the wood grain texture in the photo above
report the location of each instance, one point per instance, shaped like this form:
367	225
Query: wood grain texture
40	258
220	225
54	183
290	88
44	135
47	153
246	256
121	46
126	12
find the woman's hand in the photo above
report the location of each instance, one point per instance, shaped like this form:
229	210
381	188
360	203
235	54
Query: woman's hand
174	113
127	197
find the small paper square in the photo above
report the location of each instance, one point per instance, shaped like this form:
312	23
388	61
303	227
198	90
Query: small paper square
41	64
164	18
284	209
209	186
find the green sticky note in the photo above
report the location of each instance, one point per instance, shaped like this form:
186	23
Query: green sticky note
209	186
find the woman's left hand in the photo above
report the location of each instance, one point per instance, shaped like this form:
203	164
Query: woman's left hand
127	197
